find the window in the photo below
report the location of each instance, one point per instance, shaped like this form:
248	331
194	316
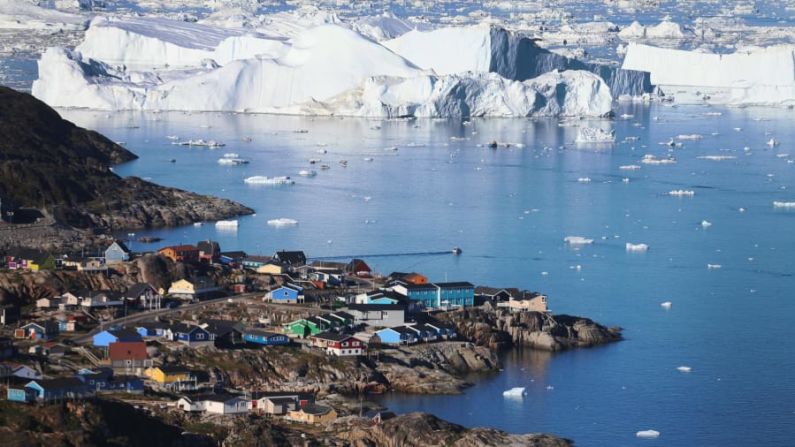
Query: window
199	336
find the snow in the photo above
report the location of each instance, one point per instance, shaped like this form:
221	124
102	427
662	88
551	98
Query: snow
648	434
21	15
518	391
447	50
664	30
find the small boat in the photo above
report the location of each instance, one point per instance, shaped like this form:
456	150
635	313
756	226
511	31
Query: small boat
457	251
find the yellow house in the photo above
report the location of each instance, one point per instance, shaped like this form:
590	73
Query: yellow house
165	375
271	269
313	414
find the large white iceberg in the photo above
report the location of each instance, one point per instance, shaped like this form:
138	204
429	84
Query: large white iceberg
328	70
753	76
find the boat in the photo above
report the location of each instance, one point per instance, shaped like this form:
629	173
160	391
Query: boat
457	251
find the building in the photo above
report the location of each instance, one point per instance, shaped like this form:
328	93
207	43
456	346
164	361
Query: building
410	278
286	294
175	378
151	330
116	253
209	251
338	344
278	402
194	288
264	338
190	335
38	330
271	268
49	390
129	356
7	349
358	267
398	335
225	333
226	404
180	253
313	414
232	258
103	380
527	301
102	299
17	371
291	258
378	315
105	338
9	315
438	295
143	296
255	262
493	294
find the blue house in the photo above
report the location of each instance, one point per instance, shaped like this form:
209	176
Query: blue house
232	257
105	338
103	380
264	338
151	329
50	390
38	330
288	293
398	335
190	335
442	294
117	252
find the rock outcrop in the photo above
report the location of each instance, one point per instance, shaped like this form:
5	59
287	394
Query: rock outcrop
64	172
501	328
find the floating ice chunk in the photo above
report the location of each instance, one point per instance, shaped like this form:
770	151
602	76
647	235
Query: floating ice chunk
518	391
788	205
197	224
226	224
200	143
550	387
232	161
681	193
263	180
714	266
666	304
577	240
693	136
636	247
772	142
706	224
584	180
684	369
650	159
368	159
595	135
625	180
716	157
231	155
307	173
648	434
282	222
629	167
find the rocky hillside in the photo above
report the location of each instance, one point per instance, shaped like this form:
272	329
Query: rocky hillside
49	164
500	328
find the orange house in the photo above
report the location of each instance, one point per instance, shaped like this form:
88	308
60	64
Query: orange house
181	253
416	278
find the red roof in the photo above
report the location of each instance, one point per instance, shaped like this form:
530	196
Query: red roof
180	248
127	350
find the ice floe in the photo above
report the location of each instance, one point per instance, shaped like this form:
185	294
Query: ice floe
684	369
630	247
226	224
681	193
282	222
518	391
595	135
648	434
264	180
787	205
666	304
577	240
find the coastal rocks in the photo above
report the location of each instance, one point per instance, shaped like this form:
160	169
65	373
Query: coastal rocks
500	328
425	430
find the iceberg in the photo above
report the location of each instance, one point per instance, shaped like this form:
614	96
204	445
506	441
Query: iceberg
785	205
263	180
684	369
666	304
713	266
225	161
282	222
706	224
639	248
650	159
577	240
681	193
226	224
756	76
716	157
648	434
307	173
518	391
595	135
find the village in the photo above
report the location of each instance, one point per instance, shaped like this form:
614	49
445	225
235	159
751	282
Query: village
131	344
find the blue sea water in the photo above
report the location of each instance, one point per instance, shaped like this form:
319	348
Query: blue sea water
509	210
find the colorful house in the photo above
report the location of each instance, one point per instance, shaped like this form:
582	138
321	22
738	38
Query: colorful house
438	295
129	356
102	299
398	335
227	404
278	402
105	338
290	258
42	330
286	294
527	301
264	338
173	377
255	262
271	268
313	414
180	253
191	335
193	288
143	296
209	251
336	344
378	315
117	252
48	390
359	268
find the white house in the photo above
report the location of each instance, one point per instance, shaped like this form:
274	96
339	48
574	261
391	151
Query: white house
228	404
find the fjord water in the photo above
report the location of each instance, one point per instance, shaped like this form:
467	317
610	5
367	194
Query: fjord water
509	210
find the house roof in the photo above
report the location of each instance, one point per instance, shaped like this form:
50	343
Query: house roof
138	289
376	307
185	247
125	333
59	383
281	394
412	286
317	410
291	257
48	326
222	327
260	332
455	285
210	247
173	369
223	397
329	265
121	245
263	259
400	330
184	328
234	254
127	350
332	336
291	286
342	315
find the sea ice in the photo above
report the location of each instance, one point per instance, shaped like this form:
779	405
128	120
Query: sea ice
787	205
226	224
681	193
282	222
666	304
518	391
595	135
577	240
648	434
636	247
684	369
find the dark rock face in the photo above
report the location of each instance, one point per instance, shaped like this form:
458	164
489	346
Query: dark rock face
50	164
500	328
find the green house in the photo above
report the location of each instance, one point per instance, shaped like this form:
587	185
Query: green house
303	327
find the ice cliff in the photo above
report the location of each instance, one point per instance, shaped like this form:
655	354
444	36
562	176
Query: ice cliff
157	64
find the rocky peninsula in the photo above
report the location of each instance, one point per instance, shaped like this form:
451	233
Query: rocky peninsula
58	188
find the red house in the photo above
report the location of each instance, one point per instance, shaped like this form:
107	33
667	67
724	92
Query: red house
359	268
130	356
339	344
181	253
